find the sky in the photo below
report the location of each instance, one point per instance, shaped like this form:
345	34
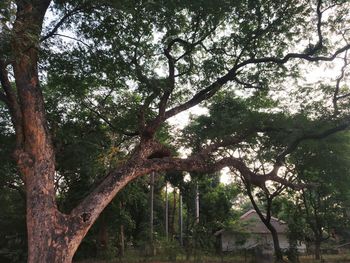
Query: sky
326	73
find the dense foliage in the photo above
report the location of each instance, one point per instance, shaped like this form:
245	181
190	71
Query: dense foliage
88	92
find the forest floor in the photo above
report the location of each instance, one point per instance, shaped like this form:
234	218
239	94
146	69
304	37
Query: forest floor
342	258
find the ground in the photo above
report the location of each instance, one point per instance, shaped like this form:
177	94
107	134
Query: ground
344	258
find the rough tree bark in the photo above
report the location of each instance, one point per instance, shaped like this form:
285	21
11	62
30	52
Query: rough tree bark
46	226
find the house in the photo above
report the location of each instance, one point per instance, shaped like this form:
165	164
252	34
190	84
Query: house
343	248
252	234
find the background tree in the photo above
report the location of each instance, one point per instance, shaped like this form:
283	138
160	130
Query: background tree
325	165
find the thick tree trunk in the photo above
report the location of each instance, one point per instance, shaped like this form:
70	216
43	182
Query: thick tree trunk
50	236
276	244
317	249
48	243
46	227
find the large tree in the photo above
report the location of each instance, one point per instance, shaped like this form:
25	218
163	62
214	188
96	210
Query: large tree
135	64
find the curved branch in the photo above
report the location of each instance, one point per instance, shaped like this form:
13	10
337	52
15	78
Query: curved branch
319	44
108	122
210	90
10	98
189	47
63	19
336	96
72	38
171	83
317	136
280	159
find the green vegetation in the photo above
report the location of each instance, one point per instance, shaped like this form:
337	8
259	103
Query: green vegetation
92	165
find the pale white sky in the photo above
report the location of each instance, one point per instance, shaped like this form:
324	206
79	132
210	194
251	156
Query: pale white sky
328	72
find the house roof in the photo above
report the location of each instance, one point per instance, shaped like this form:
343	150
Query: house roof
252	223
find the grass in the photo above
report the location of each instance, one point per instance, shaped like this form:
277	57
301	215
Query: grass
342	258
204	258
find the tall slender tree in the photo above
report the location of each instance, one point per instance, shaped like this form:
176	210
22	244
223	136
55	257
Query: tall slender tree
266	217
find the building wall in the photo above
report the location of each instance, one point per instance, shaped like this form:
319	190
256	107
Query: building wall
232	242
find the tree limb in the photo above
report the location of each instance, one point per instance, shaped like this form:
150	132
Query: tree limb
10	98
189	47
72	38
211	90
69	14
280	159
336	96
171	82
108	122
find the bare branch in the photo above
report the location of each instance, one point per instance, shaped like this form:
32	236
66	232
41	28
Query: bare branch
336	96
143	128
246	84
72	38
189	47
10	98
343	96
319	44
304	56
63	19
202	95
171	82
200	163
108	122
280	159
227	141
210	90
